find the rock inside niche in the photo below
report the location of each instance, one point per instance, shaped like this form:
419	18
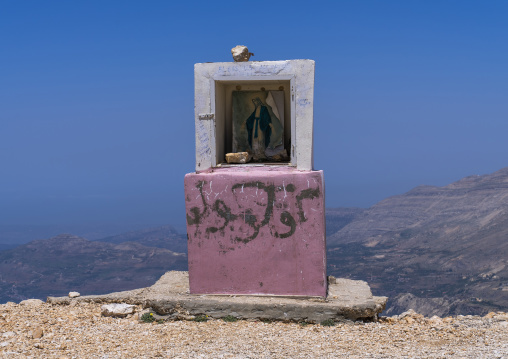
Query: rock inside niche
238	157
279	156
241	53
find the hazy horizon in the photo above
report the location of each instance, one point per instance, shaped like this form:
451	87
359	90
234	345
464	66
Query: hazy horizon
97	118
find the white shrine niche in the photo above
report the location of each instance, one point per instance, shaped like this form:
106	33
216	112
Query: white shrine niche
292	83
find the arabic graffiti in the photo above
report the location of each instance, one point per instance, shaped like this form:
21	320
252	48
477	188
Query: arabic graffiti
241	211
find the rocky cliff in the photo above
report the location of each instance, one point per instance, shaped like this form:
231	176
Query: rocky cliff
448	244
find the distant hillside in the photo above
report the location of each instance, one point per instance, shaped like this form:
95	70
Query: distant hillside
19	234
447	244
160	237
338	218
4	247
66	263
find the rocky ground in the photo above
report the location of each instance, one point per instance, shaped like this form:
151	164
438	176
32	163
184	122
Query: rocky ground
33	329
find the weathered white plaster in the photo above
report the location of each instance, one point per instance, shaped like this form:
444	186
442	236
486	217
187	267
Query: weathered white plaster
213	85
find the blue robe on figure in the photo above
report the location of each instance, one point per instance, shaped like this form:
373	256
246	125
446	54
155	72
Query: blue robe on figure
264	124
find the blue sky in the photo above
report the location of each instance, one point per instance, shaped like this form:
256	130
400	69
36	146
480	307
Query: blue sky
96	98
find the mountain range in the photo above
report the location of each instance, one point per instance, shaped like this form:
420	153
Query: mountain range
55	266
432	245
160	237
437	250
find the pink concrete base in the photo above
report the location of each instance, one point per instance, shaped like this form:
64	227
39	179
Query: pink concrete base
256	230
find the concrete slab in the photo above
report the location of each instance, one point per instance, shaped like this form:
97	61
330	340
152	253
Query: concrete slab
347	299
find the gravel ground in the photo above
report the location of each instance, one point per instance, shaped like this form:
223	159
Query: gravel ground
33	329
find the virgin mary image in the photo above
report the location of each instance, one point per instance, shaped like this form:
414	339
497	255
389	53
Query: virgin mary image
257	128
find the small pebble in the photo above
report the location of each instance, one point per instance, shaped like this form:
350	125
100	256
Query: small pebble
74	294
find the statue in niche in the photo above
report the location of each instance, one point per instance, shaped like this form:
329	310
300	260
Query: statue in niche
259	128
258	124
